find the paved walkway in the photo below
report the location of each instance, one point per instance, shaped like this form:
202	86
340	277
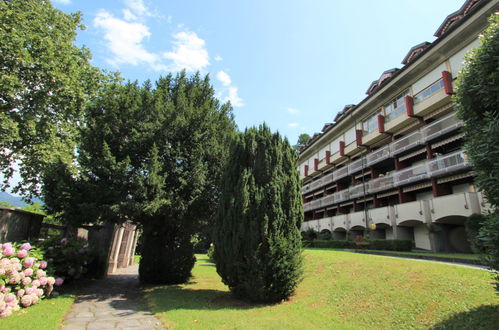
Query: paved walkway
112	303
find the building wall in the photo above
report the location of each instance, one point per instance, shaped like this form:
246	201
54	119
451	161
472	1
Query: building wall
18	225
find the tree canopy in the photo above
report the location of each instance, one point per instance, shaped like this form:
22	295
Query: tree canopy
45	81
302	141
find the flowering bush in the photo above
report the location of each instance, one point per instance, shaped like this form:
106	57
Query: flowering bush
23	277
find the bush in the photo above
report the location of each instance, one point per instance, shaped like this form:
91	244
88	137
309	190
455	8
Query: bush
473	225
309	235
71	258
24	277
257	238
211	252
367	244
324	235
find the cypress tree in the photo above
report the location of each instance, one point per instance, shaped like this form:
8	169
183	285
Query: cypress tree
257	237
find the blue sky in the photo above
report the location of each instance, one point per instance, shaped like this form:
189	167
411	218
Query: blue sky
292	64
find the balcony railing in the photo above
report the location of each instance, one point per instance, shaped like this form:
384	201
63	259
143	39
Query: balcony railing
328	200
381	183
447	164
341	196
378	155
316	184
406	143
328	178
357	165
411	174
340	173
358	190
440	127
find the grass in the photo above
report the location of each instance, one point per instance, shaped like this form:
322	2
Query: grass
136	259
48	314
340	290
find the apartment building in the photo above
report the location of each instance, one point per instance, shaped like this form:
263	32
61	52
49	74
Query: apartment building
394	163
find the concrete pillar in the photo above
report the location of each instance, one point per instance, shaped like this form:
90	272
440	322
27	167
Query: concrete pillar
134	246
113	257
129	245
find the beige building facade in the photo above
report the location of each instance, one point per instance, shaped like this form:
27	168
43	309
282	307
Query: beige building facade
395	162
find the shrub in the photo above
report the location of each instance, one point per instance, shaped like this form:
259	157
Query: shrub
211	252
257	238
324	235
367	244
24	277
473	225
309	235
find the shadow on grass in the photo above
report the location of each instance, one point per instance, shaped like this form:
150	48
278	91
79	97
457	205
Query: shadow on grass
174	297
483	317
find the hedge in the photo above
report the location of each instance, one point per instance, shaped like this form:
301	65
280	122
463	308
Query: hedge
368	244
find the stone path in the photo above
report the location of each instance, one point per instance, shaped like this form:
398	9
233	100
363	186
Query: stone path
112	303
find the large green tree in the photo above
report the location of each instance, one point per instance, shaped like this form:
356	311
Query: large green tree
153	156
45	81
477	100
257	237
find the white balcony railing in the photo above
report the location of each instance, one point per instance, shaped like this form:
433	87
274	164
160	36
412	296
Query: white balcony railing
316	184
341	196
447	164
411	174
357	165
358	190
381	183
340	173
440	127
378	155
328	200
406	143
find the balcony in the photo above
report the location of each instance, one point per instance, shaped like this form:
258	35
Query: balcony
407	142
358	191
381	215
357	219
378	155
411	174
441	127
455	205
324	223
340	221
447	164
341	196
381	183
327	179
340	173
328	200
316	184
357	165
413	211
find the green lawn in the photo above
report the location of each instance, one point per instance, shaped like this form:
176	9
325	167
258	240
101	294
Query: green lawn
340	290
47	314
431	254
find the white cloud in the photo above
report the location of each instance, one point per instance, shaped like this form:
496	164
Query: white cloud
293	111
224	78
137	8
234	98
64	2
189	52
124	40
218	58
293	124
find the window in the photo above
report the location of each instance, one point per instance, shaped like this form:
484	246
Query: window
396	107
371	124
429	91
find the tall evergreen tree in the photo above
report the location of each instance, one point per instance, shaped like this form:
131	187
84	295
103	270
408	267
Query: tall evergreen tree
257	237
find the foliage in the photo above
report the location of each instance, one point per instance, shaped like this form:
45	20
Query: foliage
211	252
45	81
309	235
36	207
256	237
153	156
340	290
324	235
23	278
6	204
302	141
71	258
367	244
473	225
477	99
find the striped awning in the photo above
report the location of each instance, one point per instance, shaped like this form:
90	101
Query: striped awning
389	193
417	186
447	141
438	111
412	154
455	177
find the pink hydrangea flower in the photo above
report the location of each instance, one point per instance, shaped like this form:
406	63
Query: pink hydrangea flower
40	273
15	279
43	281
34	299
22	253
20	292
6	245
28	272
30	290
6	312
43	264
9	251
2	271
28	262
35	283
26	246
59	281
26	300
26	281
64	240
9	297
50	280
39	292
